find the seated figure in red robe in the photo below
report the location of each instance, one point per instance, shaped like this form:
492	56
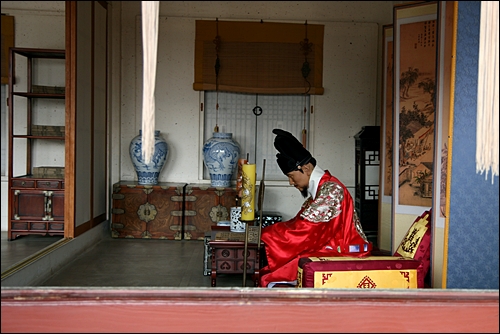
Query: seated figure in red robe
326	224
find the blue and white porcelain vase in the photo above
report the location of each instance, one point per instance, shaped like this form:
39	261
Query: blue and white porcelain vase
148	174
220	155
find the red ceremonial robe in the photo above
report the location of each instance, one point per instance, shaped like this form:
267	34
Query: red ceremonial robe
325	226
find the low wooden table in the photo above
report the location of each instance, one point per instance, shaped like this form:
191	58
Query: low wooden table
228	257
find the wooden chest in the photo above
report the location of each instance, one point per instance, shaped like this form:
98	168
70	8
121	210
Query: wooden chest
204	207
147	211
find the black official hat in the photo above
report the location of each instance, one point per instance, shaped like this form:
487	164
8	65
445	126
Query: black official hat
291	152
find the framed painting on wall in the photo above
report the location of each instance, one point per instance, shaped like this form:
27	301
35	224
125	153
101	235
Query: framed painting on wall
414	98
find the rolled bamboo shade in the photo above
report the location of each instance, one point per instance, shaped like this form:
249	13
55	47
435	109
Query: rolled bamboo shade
258	57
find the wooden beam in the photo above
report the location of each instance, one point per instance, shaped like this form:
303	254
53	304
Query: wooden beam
255	310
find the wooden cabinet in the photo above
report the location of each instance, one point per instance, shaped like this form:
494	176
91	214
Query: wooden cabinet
147	211
36	209
204	207
36	142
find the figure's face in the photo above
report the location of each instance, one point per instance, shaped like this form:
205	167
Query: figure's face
300	179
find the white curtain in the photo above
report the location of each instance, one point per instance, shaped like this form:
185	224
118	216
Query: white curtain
150	17
487	92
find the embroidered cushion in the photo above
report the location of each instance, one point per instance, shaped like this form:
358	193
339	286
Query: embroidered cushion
417	244
371	272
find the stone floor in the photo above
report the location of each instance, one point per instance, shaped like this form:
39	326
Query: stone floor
117	262
20	248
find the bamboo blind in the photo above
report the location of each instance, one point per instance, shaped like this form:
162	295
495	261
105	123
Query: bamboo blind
258	57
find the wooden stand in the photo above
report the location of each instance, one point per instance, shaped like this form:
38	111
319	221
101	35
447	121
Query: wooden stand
245	253
228	254
228	258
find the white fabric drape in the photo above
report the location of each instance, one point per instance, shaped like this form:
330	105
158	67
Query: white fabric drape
150	17
487	92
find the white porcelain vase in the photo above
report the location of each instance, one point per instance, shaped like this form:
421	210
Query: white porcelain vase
220	155
148	174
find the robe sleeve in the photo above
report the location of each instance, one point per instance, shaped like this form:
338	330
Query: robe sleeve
326	205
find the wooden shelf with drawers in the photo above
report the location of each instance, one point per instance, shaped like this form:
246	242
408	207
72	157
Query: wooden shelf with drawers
36	104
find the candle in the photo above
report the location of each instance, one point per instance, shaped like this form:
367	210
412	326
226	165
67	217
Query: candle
248	193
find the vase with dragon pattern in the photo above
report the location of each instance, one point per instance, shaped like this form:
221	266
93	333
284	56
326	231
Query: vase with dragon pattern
220	155
148	174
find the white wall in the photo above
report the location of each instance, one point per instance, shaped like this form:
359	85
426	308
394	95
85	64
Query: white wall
351	78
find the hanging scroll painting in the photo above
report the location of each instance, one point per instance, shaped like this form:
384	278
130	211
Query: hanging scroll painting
387	111
386	124
443	97
415	45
